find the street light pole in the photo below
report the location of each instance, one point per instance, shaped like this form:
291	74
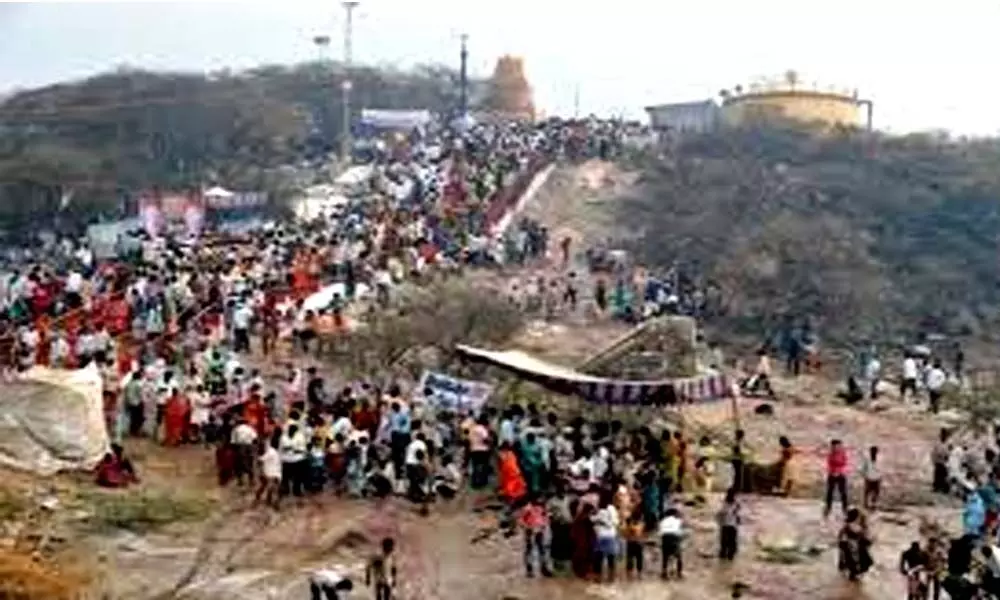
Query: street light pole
346	139
463	102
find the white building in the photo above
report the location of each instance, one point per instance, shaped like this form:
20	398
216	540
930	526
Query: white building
685	116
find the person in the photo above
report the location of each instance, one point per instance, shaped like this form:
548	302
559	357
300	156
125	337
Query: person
973	513
447	479
634	539
836	476
479	453
115	470
913	565
908	383
560	521
511	485
872	477
936	378
671	530
855	546
583	539
380	573
243	439
941	483
270	470
606	524
728	518
329	584
738	462
534	520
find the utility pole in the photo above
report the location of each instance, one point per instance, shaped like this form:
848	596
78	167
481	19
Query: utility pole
576	101
463	102
346	139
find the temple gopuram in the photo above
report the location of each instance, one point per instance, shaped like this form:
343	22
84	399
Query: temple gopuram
509	95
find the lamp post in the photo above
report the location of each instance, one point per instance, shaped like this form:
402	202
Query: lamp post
463	102
346	139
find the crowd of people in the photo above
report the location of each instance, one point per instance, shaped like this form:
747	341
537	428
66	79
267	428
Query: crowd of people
175	333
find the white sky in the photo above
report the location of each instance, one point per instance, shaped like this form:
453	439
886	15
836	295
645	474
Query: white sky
927	65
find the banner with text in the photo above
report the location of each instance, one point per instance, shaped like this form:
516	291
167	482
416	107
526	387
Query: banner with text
452	394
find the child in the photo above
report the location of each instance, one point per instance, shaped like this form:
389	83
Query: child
671	532
634	534
535	521
380	573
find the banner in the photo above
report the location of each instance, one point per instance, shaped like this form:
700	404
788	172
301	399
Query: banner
452	394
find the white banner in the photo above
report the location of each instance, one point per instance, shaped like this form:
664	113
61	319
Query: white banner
452	394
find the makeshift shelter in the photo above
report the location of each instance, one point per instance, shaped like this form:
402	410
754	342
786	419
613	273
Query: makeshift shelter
53	420
603	390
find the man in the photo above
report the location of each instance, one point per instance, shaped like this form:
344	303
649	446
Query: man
909	382
242	317
872	476
836	476
243	438
941	482
936	379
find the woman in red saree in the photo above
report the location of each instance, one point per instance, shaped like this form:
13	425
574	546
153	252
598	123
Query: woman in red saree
584	541
255	414
511	485
176	416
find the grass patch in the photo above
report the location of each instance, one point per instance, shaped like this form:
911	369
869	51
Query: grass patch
12	505
142	512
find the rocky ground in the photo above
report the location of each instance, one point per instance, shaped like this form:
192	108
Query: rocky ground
229	550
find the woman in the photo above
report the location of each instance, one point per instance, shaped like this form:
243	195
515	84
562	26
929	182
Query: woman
729	522
176	415
787	466
855	546
583	539
512	487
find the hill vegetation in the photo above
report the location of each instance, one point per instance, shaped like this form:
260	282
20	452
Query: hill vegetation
870	236
102	138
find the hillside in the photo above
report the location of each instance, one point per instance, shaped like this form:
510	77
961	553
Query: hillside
870	236
103	137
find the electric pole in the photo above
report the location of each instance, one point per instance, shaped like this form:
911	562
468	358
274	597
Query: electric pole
346	140
463	102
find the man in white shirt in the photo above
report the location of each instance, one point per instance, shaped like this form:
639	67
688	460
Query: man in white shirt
909	380
243	439
270	480
242	317
292	448
671	531
936	379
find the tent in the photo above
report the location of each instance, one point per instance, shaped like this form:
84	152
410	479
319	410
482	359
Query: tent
217	193
53	420
602	390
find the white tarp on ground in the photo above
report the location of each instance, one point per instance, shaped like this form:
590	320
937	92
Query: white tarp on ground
53	420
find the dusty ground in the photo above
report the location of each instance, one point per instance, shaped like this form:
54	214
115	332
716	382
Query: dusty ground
252	554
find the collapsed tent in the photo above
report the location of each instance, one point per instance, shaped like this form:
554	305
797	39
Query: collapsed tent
603	390
53	420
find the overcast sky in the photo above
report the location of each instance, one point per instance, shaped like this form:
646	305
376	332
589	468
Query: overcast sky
927	65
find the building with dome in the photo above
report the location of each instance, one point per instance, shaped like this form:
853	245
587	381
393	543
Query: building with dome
787	97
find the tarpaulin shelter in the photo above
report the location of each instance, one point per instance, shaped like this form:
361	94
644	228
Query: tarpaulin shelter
603	390
53	420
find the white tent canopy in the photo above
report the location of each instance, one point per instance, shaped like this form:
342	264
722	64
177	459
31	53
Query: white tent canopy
218	192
